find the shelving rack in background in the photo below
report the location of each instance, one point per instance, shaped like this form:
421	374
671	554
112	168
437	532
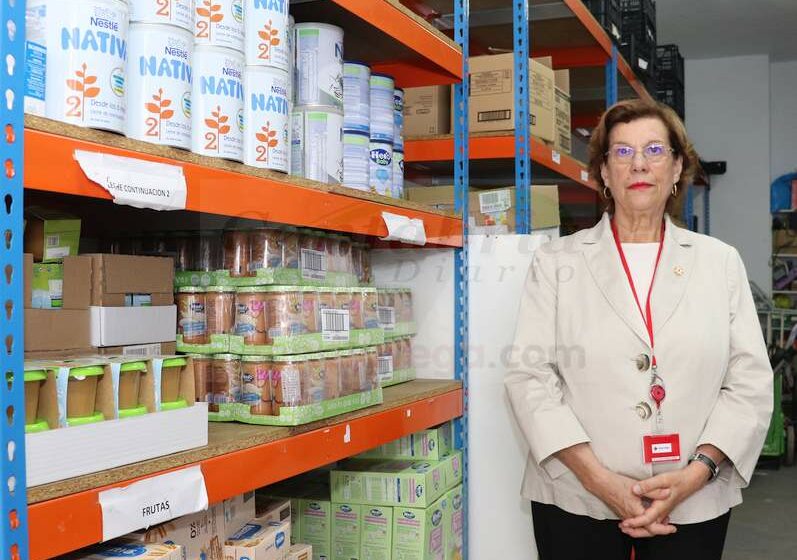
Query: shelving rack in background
53	519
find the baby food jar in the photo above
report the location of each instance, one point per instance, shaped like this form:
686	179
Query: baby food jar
220	309
226	379
370	308
356	309
289	378
371	367
266	249
284	312
326	300
404	305
130	389
236	253
182	247
203	376
81	395
34	378
256	385
348	383
208	252
290	247
171	371
191	315
311	306
250	315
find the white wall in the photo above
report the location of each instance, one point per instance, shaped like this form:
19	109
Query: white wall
728	118
783	97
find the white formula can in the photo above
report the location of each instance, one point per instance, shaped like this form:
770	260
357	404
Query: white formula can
319	64
317	144
172	12
356	97
381	167
382	119
218	98
35	56
159	78
397	182
356	160
398	119
267	32
86	42
219	23
266	117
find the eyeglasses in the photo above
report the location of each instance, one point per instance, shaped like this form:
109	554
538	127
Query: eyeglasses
653	153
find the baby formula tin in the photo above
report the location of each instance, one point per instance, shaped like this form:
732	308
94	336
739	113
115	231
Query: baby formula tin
381	167
218	97
267	31
35	56
317	144
266	114
159	78
398	119
219	23
355	160
356	97
382	119
86	43
397	182
319	64
172	12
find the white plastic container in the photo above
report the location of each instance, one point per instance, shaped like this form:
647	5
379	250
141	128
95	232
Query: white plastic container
172	12
397	181
319	64
356	160
382	119
159	78
267	32
35	57
317	144
266	117
86	43
219	23
381	167
398	119
356	97
218	98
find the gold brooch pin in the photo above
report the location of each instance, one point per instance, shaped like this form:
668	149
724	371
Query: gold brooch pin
678	270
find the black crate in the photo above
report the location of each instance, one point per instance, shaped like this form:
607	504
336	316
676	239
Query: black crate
640	55
674	97
607	12
646	8
640	27
669	64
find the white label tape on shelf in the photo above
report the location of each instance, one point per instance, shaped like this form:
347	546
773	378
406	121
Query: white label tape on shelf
556	157
402	228
584	175
135	182
151	501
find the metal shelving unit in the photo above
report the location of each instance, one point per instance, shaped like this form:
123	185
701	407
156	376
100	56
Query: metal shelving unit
60	518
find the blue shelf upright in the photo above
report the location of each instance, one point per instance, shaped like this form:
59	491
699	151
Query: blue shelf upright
520	18
461	271
611	78
13	495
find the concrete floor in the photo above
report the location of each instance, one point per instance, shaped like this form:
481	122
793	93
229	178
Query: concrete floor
764	527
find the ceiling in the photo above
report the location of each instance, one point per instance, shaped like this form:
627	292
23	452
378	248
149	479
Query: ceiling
721	28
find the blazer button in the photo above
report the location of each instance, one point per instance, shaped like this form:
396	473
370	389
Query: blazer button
643	410
643	362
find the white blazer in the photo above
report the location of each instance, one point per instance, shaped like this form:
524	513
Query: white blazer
578	366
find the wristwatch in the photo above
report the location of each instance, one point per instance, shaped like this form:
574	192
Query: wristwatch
708	461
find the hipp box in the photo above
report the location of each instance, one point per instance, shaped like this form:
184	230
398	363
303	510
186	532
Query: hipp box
424	445
388	483
420	534
377	533
347	527
454	520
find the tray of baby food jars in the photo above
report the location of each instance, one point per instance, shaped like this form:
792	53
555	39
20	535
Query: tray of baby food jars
395	361
276	320
270	256
287	390
395	313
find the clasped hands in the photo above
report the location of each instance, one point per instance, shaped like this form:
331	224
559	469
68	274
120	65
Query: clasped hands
645	505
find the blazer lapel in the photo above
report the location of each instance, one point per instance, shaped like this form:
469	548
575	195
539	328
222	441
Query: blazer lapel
603	262
672	277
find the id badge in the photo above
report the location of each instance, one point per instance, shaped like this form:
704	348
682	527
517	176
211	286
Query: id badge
661	448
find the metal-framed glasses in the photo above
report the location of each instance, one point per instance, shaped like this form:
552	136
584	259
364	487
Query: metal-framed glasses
654	152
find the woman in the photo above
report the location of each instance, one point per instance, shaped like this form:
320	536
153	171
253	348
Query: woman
643	387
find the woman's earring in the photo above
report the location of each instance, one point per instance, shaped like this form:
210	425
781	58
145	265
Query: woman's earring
606	192
675	189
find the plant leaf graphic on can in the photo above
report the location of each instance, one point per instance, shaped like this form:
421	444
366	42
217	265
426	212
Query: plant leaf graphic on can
219	23
267	27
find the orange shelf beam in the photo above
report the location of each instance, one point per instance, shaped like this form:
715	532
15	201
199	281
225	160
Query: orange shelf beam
407	30
64	524
50	166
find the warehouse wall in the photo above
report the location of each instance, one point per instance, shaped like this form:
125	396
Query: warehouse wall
784	118
728	118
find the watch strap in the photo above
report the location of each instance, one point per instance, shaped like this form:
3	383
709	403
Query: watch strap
708	461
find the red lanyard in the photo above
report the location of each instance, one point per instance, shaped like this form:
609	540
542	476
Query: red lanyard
657	392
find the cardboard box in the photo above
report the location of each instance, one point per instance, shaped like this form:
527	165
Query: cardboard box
129	550
388	482
347	526
427	110
203	534
454	524
115	278
259	540
300	552
123	326
315	523
27	278
495	210
426	444
419	534
50	235
62	354
65	285
452	469
784	239
563	138
141	350
492	99
377	533
272	509
64	329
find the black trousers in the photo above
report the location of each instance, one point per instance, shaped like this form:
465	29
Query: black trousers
564	536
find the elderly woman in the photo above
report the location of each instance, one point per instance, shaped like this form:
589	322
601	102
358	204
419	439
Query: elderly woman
644	390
